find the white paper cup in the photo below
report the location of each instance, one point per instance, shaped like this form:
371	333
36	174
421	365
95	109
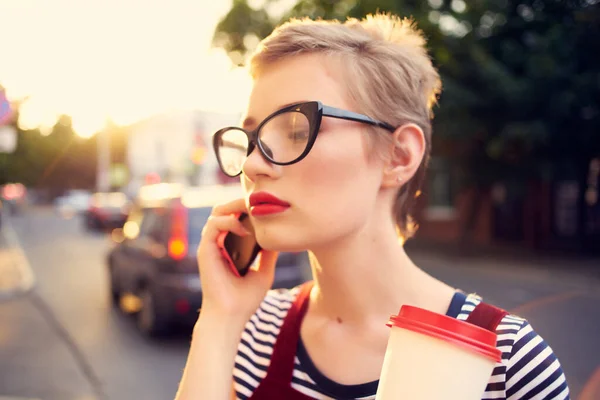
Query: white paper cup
432	356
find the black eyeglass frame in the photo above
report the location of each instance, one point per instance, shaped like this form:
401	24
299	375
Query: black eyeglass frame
314	111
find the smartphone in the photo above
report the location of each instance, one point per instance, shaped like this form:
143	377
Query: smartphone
239	251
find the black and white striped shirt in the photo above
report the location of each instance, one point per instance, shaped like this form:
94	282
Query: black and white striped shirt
528	370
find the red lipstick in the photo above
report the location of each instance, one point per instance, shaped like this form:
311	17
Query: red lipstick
263	203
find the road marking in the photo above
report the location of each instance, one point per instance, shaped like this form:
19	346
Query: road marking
591	389
22	262
544	301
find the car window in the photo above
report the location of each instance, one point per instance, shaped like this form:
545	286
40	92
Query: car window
197	217
154	224
112	201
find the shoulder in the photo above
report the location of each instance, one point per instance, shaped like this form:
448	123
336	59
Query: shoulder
508	330
258	339
269	316
529	368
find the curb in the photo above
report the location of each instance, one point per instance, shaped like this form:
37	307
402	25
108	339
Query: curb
17	398
18	263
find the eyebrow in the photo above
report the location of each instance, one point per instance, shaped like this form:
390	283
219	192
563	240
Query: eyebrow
250	121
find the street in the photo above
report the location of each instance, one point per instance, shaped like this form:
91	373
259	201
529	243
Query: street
88	351
64	340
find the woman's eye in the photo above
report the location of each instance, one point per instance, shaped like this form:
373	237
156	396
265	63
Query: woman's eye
298	136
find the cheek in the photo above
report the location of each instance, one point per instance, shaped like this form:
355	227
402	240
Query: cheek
332	163
337	181
334	189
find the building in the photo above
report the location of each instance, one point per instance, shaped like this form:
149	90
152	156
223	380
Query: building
560	214
175	147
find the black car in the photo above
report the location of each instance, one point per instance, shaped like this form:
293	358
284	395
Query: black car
152	268
106	211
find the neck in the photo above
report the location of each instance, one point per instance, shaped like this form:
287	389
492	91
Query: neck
365	278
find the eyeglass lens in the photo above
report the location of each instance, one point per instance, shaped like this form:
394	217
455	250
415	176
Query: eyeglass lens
283	138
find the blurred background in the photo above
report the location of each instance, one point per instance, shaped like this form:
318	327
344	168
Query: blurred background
107	175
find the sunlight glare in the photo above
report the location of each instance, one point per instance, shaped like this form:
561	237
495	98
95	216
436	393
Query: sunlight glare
86	125
122	60
36	113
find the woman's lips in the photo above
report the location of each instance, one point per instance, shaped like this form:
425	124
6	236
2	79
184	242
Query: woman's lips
267	209
264	203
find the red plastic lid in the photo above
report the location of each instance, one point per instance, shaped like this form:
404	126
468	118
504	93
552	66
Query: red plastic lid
449	329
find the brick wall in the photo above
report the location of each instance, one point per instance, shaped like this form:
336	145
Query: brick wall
447	228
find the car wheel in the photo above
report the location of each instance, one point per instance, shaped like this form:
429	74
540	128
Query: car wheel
115	292
88	224
149	321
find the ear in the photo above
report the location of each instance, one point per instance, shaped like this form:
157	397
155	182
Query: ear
405	155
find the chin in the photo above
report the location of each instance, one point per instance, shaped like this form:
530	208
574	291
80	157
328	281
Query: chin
280	244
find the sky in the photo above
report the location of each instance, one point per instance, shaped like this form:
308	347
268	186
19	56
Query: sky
121	60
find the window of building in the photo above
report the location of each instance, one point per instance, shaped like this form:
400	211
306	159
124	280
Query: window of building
440	187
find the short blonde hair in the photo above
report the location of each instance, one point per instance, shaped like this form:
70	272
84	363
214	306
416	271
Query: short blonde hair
389	73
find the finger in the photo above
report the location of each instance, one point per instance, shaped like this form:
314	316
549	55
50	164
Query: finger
231	207
217	224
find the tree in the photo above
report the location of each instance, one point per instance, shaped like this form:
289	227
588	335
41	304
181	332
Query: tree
56	162
529	80
59	161
240	23
25	163
521	98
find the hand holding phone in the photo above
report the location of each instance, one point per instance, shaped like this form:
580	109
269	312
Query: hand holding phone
239	251
224	293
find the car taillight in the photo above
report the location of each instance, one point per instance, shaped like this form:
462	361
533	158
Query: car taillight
178	244
177	248
97	210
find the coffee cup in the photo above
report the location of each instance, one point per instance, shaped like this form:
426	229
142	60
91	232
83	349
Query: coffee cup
432	356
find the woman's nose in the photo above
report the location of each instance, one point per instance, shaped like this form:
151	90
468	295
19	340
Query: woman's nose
256	164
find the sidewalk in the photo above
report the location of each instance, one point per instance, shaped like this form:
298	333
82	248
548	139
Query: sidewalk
38	360
15	278
521	277
506	257
35	361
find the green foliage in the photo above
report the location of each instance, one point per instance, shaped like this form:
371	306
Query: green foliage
58	161
521	79
240	23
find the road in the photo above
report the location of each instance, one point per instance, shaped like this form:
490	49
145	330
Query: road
87	350
72	290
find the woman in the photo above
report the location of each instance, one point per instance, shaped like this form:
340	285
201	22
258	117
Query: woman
331	155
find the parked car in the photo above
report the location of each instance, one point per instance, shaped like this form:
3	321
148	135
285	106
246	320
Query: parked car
107	211
153	269
14	196
73	202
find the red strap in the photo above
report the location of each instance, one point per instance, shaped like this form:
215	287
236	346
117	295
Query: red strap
284	351
487	316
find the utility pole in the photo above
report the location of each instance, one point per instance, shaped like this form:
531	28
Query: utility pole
103	168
